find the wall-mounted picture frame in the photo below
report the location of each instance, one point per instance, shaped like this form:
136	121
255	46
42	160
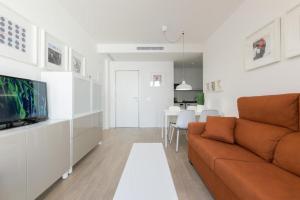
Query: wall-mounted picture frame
292	32
76	62
214	86
264	46
156	80
54	56
18	37
218	86
208	87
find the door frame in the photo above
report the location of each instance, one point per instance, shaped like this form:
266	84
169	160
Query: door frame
115	93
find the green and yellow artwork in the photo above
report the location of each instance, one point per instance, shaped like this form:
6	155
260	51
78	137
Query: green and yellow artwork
21	99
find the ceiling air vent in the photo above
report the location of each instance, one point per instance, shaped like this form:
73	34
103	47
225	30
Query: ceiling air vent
150	48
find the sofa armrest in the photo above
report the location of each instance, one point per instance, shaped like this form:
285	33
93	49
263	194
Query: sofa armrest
196	128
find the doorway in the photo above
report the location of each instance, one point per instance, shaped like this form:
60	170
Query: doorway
127	98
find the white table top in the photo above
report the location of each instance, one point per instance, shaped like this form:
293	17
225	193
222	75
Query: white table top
175	113
146	175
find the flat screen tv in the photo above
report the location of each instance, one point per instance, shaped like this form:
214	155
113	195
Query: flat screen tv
22	101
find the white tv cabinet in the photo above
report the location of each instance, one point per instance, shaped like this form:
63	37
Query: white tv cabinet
33	157
78	99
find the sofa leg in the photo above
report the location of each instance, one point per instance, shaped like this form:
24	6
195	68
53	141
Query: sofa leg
190	162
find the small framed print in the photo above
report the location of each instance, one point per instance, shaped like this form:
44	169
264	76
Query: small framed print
156	80
263	47
54	53
18	37
292	32
218	85
208	87
76	62
213	86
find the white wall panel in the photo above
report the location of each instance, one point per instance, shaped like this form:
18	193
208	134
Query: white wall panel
51	16
223	57
153	100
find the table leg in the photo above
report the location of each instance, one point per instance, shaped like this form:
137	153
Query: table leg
163	127
166	131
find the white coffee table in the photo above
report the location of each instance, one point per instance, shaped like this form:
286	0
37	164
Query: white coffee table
146	175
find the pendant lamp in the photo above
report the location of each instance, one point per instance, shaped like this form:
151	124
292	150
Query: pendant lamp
183	85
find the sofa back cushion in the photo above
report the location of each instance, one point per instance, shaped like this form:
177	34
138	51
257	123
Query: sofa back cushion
259	138
220	128
287	153
278	110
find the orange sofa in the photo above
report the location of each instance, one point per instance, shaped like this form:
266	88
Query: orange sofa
264	161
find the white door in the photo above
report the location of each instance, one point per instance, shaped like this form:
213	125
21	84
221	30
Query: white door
127	99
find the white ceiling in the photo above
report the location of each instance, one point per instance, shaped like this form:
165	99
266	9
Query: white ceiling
140	21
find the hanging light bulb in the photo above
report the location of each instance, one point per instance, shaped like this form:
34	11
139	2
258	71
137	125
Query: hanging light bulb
183	85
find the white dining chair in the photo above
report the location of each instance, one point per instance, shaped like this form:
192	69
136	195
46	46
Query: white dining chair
172	109
194	108
200	108
183	120
205	113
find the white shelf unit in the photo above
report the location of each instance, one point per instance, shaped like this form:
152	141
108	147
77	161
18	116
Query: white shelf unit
33	157
77	98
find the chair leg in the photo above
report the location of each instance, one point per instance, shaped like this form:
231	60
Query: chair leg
171	135
177	141
169	132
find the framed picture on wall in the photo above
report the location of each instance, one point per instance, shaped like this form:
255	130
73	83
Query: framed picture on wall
213	86
208	87
263	47
156	80
292	32
54	53
76	62
218	86
18	37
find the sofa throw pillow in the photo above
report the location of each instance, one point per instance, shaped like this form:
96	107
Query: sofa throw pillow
220	128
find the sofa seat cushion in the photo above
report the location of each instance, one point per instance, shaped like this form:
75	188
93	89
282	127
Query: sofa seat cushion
210	150
287	154
259	138
259	181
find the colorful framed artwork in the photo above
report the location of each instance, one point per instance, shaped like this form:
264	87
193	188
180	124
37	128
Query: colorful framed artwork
292	32
18	37
263	47
54	53
76	62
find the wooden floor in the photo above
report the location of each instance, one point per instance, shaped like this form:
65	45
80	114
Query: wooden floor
97	175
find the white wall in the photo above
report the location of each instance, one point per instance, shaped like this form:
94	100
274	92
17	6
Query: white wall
152	100
223	57
49	14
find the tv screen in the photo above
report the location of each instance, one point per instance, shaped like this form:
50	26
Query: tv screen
22	100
